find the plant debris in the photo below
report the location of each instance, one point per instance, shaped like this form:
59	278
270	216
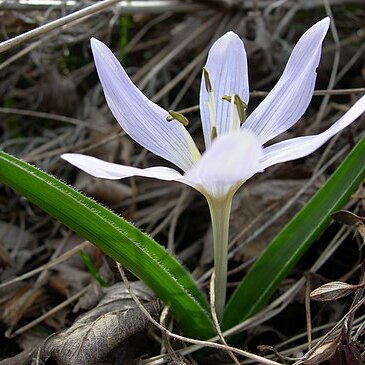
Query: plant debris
51	308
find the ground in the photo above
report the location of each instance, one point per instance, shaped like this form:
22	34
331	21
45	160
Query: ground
53	103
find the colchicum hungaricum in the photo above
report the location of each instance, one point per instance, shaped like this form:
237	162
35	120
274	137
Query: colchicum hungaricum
234	143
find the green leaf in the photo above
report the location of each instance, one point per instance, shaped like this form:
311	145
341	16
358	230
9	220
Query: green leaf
293	241
92	269
135	250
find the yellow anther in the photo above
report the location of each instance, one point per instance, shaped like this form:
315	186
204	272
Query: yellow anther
177	116
208	84
213	134
227	98
241	108
240	104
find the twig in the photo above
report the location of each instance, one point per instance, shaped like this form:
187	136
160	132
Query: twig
48	314
90	10
42	115
131	7
257	358
308	310
215	318
128	7
48	265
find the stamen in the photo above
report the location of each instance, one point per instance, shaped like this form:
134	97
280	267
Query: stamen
183	122
211	104
208	84
240	104
213	134
227	98
178	117
241	108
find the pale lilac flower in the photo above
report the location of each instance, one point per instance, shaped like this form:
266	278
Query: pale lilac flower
240	154
238	151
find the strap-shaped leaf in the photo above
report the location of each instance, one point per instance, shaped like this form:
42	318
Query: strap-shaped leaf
134	249
293	241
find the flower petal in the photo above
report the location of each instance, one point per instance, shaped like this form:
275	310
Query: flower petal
227	68
232	159
290	97
295	148
143	120
113	171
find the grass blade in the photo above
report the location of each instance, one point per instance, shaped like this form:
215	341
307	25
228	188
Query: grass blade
293	241
135	250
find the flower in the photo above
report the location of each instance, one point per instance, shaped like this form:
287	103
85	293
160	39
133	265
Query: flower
225	162
235	145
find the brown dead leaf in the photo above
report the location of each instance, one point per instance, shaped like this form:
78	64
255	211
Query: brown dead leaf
16	248
351	219
361	230
19	304
91	298
116	298
30	339
87	343
346	354
7	292
323	353
96	333
347	217
58	285
333	291
57	320
71	279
